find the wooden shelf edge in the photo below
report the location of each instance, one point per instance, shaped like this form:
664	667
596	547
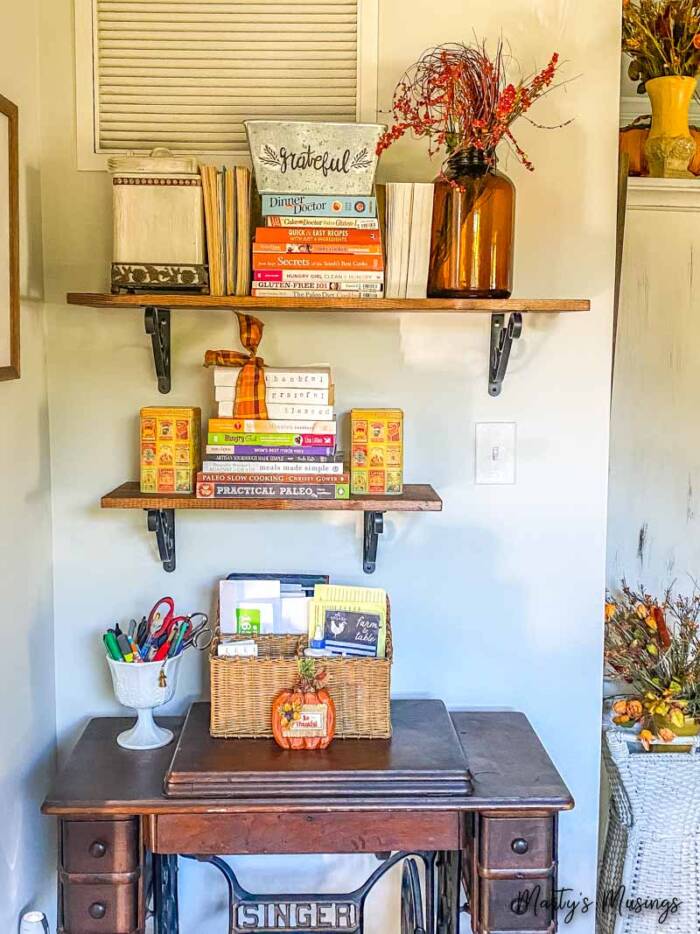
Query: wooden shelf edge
232	303
417	497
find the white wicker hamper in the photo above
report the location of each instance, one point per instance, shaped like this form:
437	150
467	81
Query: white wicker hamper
652	846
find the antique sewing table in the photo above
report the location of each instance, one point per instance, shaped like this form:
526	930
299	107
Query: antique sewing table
492	825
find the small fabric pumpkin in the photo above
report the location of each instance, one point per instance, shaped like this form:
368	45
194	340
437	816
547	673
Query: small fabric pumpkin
303	716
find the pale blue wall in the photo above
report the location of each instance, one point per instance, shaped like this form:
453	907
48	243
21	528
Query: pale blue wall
495	601
28	721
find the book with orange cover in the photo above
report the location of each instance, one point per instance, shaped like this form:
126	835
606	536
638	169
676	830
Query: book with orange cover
320	261
325	235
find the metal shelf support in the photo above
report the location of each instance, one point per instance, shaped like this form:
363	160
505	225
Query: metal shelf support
162	522
502	337
374	526
157	322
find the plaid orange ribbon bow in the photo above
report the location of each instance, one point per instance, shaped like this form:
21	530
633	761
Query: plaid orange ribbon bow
250	385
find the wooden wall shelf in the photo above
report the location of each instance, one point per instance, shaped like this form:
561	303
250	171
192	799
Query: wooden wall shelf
160	509
248	303
157	306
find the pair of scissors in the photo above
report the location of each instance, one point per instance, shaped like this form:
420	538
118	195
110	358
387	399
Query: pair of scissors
162	626
197	635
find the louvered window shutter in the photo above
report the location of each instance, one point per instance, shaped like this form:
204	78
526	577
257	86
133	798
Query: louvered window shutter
186	73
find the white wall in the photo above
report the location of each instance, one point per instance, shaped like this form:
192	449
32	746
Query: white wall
653	540
28	724
496	601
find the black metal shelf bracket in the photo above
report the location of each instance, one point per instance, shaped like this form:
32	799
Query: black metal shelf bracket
374	526
162	522
157	322
502	337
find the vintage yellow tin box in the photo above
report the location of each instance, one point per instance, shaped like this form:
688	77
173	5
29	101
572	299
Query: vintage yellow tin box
170	449
376	458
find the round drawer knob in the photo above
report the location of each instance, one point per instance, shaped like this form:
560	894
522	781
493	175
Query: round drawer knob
97	849
519	846
519	906
97	910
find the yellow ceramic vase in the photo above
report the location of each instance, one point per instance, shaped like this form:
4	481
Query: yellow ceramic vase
670	147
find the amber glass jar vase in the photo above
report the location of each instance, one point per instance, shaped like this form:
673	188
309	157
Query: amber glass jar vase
471	250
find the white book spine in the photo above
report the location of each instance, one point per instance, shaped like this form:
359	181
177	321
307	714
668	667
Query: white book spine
286	396
265	467
284	411
419	245
278	378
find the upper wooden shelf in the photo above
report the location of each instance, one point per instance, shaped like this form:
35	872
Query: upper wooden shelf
416	497
157	307
248	303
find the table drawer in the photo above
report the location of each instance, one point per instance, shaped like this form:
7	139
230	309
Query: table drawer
510	843
100	908
100	846
512	905
256	833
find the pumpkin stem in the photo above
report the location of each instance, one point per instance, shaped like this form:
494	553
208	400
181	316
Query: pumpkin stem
309	678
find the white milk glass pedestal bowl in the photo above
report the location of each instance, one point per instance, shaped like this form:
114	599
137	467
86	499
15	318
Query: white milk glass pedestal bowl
144	686
34	922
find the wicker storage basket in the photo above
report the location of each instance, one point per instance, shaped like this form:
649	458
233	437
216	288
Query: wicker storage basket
242	689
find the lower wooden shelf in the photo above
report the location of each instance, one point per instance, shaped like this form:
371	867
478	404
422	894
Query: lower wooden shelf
416	497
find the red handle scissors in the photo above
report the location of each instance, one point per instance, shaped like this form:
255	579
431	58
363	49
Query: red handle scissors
162	629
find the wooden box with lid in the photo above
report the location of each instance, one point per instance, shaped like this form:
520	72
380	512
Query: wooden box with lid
158	209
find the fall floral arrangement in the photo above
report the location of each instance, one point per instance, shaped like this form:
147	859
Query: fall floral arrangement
662	37
654	646
460	98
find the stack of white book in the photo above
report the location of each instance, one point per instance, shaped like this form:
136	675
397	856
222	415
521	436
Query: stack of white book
409	212
290	392
292	454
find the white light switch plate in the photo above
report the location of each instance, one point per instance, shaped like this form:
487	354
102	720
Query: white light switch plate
495	452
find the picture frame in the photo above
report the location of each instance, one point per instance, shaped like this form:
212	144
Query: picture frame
9	242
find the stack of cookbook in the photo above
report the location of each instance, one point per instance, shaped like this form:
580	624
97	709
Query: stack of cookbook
318	246
291	455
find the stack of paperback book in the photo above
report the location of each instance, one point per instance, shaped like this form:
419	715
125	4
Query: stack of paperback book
227	212
318	246
291	455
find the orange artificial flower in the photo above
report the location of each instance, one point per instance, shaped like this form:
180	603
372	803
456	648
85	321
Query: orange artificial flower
696	38
627	711
645	738
610	610
666	735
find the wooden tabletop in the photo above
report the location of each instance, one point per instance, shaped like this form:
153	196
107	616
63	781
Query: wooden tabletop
423	760
509	767
508	763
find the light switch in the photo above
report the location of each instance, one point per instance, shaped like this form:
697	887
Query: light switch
495	452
